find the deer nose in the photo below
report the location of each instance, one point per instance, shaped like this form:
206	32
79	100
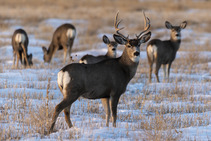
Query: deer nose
113	49
177	35
136	53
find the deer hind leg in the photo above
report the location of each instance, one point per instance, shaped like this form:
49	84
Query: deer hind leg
65	53
113	104
63	104
70	46
158	65
150	72
66	105
14	58
169	67
105	102
17	60
67	116
164	71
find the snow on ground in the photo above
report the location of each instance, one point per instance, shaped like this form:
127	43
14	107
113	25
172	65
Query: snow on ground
137	106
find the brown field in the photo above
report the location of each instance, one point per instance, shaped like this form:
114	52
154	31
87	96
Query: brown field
99	17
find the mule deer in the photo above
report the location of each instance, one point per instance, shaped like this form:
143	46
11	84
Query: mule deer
63	38
111	53
20	43
106	79
164	52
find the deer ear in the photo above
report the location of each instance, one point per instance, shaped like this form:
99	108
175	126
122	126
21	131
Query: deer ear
44	49
119	39
183	24
106	40
168	25
145	37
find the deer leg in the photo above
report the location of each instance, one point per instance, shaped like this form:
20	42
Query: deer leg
164	71
24	54
113	104
105	102
17	61
64	104
150	72
65	53
70	46
158	65
14	59
169	66
67	116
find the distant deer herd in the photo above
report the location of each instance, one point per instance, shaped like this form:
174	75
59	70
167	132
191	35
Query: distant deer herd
102	77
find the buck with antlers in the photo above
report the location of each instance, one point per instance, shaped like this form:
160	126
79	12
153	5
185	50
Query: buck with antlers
20	43
107	79
63	38
164	52
111	53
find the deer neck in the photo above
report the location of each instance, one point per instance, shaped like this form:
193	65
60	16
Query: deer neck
128	65
51	50
175	44
111	54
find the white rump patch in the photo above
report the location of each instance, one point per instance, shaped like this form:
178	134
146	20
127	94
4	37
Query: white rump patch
60	78
66	79
63	80
20	38
152	51
83	61
70	33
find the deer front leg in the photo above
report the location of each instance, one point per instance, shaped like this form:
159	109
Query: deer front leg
169	67
105	102
113	104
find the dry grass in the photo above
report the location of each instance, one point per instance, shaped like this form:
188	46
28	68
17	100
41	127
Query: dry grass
99	15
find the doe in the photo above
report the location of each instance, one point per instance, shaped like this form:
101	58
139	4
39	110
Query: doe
63	38
164	52
20	43
111	53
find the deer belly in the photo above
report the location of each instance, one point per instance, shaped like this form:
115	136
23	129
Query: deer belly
94	95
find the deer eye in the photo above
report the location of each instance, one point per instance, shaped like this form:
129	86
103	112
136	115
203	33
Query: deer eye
129	46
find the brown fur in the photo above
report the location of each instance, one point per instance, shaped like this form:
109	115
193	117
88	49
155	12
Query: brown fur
60	41
20	49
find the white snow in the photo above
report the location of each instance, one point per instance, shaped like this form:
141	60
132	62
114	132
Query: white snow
31	84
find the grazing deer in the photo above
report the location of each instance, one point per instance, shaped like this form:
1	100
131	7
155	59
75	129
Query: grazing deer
63	38
107	79
20	43
164	52
111	53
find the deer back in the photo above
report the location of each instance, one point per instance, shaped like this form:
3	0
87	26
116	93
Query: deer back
63	35
19	37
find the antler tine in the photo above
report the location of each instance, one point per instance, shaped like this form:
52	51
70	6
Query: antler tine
116	24
146	25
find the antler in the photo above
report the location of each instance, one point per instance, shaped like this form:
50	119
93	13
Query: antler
116	24
146	25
